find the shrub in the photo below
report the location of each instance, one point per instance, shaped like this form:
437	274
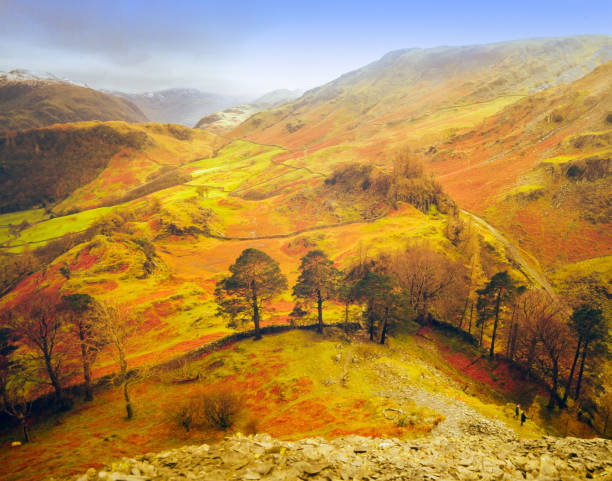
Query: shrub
407	182
221	409
251	426
209	409
187	413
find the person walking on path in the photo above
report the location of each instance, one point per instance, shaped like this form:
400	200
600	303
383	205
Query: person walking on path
517	410
523	417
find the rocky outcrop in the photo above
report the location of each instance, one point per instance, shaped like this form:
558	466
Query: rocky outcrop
483	456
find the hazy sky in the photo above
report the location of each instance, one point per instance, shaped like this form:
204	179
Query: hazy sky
250	47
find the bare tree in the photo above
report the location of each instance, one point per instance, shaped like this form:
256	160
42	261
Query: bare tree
427	276
554	337
39	327
79	311
546	337
117	326
527	345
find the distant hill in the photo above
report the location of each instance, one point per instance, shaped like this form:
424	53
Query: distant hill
31	100
180	106
41	167
228	119
410	93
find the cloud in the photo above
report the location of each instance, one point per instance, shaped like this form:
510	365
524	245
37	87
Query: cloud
222	45
125	33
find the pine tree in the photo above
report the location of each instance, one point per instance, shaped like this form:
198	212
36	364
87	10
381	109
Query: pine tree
318	281
500	290
255	279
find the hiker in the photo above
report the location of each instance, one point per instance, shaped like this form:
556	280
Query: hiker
517	410
523	417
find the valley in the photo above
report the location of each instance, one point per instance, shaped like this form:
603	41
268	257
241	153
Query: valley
462	196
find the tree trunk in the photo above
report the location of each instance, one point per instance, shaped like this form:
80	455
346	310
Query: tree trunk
346	317
579	382
384	329
54	380
86	364
255	312
471	312
124	379
530	356
553	389
481	332
371	323
492	351
128	402
510	331
320	311
26	432
568	386
467	299
515	327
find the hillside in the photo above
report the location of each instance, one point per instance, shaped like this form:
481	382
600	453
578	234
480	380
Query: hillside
41	167
410	95
483	117
228	119
540	170
179	105
293	385
29	101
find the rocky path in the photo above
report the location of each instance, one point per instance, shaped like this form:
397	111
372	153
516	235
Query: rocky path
459	418
466	446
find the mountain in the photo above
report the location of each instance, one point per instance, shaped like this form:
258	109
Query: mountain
30	100
179	105
276	97
411	94
228	119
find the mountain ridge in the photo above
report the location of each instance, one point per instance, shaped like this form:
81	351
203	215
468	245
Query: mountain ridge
32	101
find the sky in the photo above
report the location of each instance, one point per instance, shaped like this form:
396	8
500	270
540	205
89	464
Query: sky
252	47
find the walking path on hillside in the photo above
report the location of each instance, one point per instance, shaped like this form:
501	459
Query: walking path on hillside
459	418
514	254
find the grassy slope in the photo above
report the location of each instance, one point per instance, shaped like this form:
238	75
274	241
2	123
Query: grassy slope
25	105
87	164
291	385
